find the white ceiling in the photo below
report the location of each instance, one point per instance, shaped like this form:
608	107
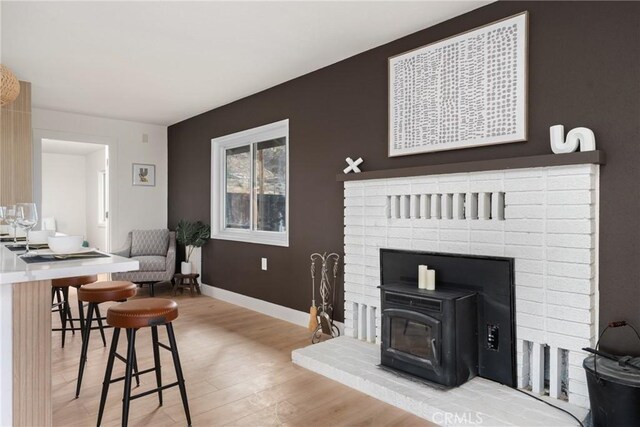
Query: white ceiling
55	146
162	62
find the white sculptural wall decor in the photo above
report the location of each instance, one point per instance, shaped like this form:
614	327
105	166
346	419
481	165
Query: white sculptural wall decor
582	138
353	165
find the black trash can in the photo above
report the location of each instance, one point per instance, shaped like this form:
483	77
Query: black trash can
614	392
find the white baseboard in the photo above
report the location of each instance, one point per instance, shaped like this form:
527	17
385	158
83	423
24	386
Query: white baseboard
274	310
287	314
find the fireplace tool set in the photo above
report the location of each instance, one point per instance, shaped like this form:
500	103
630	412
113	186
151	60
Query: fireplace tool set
321	317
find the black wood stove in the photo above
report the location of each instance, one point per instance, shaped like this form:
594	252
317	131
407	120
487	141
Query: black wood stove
430	334
466	327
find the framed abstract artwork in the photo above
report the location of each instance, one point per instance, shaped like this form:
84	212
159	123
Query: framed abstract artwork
465	91
144	175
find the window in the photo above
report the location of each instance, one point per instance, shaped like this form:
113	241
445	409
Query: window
250	181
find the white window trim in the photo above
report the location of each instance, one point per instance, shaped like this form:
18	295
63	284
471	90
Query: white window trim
103	203
218	147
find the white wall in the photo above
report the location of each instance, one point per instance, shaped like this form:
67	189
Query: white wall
131	207
96	233
64	192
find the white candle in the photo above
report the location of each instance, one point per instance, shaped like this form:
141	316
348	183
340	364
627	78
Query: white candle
431	280
422	276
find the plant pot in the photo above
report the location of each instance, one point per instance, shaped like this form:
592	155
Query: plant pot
185	267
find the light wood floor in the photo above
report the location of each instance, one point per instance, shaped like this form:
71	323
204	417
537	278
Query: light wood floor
238	371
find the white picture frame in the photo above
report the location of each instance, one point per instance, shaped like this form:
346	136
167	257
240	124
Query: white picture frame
465	91
143	175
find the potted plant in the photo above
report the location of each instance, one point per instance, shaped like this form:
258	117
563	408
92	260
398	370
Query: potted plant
192	235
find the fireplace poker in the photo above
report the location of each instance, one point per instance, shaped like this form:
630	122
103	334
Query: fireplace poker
313	311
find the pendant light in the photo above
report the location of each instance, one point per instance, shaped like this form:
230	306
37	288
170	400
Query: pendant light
9	86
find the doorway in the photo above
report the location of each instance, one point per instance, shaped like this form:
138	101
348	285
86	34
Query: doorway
75	190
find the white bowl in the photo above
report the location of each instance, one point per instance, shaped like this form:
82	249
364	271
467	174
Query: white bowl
40	237
65	244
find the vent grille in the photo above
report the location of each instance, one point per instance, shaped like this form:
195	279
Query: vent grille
424	303
473	206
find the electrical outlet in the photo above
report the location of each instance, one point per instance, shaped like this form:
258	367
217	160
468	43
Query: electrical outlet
145	138
264	264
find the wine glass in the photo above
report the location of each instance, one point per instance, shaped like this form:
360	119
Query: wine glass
27	218
10	218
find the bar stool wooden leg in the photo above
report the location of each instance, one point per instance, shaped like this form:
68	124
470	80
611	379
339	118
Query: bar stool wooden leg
156	361
63	313
178	367
108	372
67	307
99	318
85	346
81	317
135	360
60	304
127	377
59	301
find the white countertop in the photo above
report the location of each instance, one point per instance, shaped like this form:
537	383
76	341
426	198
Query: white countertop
14	270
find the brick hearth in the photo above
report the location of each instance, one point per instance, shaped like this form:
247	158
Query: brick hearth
478	402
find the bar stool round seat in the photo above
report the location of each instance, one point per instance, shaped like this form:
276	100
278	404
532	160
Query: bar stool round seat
74	281
106	291
142	313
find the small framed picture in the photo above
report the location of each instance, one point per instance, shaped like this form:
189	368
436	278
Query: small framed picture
144	175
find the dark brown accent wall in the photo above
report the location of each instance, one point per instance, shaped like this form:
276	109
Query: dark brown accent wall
584	68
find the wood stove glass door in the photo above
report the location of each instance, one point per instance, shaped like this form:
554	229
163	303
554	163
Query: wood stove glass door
413	336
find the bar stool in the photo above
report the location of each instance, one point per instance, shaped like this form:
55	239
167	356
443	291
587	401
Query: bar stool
60	293
131	316
94	294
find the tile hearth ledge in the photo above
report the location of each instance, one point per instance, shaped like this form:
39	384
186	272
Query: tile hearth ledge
25	331
477	402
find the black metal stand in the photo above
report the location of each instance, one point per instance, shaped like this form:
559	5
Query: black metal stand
98	319
131	370
327	291
60	304
93	308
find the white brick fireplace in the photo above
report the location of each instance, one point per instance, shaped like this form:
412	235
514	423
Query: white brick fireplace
546	218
